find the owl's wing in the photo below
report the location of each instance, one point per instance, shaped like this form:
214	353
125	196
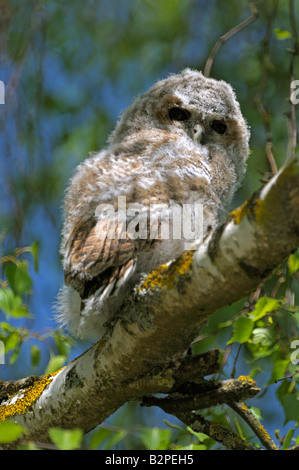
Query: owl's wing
101	256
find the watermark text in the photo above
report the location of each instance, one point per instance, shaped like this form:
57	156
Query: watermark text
2	92
295	92
154	222
295	354
2	353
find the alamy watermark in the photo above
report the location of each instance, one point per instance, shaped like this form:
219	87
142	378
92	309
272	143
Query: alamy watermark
154	222
2	353
2	92
295	354
295	92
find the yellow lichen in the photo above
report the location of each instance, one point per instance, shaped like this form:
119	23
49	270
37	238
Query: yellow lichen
239	213
251	207
245	378
166	275
261	430
244	408
19	402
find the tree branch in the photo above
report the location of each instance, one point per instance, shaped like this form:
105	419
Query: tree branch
254	424
228	35
200	424
206	394
142	352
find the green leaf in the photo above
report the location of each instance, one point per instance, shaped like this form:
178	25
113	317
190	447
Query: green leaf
6	329
99	436
225	324
293	262
15	353
239	428
262	336
282	34
11	304
34	251
12	340
242	329
256	412
263	306
18	277
199	435
115	438
34	355
288	439
111	438
28	446
55	363
21	311
192	447
289	401
279	369
155	438
9	301
66	439
10	431
263	342
63	343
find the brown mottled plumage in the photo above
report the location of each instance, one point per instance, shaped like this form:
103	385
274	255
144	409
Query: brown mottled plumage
183	141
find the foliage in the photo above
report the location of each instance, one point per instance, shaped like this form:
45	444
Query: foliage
66	439
69	72
15	291
259	337
9	432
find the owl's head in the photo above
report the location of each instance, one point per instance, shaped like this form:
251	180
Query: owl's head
203	109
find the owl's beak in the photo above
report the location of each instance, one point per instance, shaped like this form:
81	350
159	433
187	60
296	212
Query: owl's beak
198	132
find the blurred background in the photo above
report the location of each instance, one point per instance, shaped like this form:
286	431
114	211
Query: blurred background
69	70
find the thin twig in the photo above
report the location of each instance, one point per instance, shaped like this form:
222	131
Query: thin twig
200	424
226	36
233	372
281	279
264	112
226	353
287	376
254	424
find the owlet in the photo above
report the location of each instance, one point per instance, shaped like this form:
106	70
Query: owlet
175	158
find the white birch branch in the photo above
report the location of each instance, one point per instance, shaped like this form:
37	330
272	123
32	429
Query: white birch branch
142	353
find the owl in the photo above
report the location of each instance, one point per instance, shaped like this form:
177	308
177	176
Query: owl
182	144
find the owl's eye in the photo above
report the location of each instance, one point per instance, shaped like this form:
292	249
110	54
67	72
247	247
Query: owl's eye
218	126
179	114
